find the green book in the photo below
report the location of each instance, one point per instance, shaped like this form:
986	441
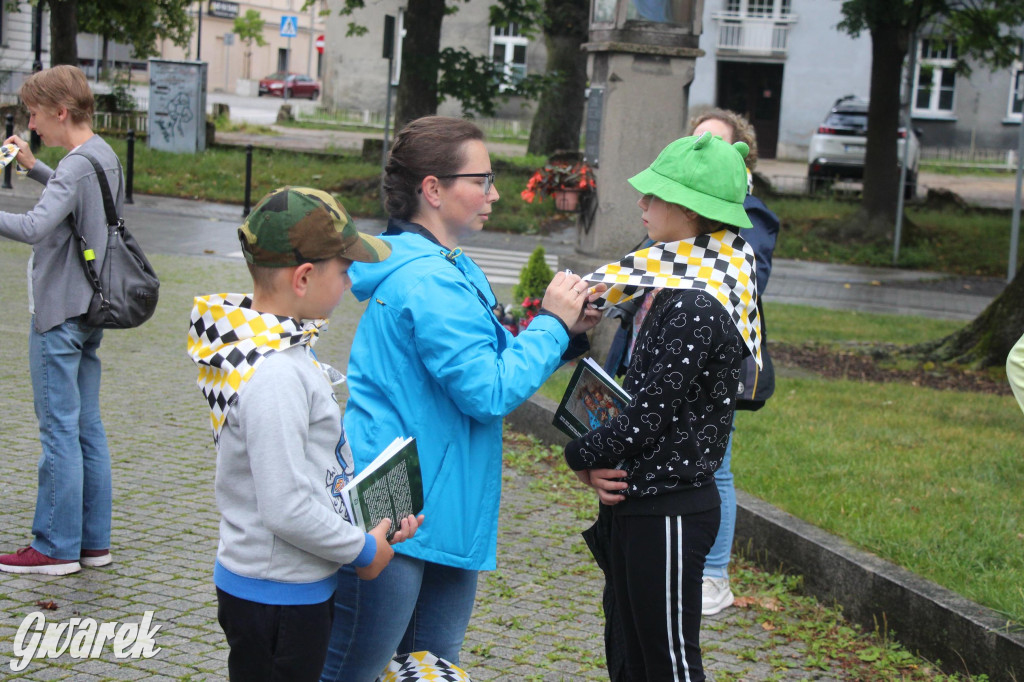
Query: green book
391	487
591	399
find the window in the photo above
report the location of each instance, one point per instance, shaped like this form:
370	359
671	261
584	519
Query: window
935	80
1014	108
508	51
761	9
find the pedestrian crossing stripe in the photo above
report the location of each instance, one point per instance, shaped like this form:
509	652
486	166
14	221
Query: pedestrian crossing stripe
501	266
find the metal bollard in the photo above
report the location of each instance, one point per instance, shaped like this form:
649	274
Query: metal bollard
10	167
248	180
129	181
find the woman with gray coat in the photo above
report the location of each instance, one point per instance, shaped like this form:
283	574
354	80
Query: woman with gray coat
73	505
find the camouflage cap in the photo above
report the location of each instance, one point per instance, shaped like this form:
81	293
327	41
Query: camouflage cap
295	225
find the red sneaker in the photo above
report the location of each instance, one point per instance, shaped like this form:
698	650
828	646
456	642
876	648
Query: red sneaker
94	558
28	560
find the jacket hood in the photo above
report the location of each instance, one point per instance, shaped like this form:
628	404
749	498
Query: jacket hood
228	340
405	248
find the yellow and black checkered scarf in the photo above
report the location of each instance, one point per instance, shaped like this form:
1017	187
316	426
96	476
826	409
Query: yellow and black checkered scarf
228	340
721	263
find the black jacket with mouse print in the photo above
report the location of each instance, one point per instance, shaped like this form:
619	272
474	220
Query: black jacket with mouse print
683	376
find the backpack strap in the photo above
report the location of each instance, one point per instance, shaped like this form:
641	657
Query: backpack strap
87	254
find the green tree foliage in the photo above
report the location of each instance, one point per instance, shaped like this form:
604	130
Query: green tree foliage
565	23
431	74
139	24
983	30
249	28
534	277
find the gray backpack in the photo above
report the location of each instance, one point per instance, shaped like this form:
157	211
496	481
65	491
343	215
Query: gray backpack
126	289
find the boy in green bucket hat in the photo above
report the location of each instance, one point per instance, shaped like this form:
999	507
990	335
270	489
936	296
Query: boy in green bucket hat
653	466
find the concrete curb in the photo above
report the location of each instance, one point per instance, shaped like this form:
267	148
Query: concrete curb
925	617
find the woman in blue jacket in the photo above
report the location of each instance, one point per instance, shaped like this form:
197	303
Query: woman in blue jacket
431	360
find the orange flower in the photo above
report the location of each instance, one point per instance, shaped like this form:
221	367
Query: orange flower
554	177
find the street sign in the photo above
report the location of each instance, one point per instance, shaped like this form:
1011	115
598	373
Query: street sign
289	27
319	44
229	39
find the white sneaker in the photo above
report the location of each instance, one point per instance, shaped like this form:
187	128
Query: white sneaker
716	595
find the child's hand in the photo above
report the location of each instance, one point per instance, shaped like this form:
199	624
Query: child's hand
407	528
607	482
589	315
383	555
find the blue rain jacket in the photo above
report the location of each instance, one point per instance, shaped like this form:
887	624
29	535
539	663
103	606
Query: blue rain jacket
430	360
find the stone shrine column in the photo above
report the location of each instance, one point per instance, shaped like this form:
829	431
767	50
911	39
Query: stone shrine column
641	61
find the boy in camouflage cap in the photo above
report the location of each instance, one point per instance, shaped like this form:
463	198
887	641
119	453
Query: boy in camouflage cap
282	456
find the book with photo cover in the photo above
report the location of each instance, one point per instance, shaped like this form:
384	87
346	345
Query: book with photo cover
591	399
390	487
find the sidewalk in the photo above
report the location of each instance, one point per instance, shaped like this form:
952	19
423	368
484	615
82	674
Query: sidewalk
165	523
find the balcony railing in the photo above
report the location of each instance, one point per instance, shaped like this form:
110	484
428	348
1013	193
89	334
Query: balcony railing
740	34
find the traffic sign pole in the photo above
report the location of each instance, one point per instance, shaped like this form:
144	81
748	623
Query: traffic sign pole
287	69
289	29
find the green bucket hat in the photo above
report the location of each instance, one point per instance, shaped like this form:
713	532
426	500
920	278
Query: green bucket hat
295	225
705	174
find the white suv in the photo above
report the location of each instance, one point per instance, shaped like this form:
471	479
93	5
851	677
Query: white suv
837	148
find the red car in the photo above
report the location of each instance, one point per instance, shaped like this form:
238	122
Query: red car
289	85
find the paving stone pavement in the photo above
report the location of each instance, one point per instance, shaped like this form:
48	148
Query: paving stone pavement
538	617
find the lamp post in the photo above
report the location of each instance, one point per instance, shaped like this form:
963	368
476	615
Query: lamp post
906	114
37	65
1011	268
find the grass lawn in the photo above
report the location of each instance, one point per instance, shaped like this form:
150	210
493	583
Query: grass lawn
928	479
963	243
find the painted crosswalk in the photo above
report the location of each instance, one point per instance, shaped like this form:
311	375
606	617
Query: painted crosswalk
502	266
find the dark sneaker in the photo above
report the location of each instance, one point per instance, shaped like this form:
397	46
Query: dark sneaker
94	558
28	560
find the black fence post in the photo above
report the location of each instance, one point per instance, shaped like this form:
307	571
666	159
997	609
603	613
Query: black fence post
130	170
248	180
10	167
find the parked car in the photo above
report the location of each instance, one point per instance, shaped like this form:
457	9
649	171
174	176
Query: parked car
281	84
837	148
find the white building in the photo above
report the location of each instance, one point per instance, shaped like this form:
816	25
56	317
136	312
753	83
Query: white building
783	63
355	75
17	47
217	44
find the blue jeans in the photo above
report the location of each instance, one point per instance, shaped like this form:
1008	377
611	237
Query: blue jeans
717	563
73	505
413	605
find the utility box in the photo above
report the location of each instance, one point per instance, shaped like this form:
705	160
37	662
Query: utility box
177	105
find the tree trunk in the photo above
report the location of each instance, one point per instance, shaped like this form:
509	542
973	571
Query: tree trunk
417	86
987	340
63	32
559	115
881	165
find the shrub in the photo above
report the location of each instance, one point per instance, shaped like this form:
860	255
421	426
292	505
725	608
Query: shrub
534	277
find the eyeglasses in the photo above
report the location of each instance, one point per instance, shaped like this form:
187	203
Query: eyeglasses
488	178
